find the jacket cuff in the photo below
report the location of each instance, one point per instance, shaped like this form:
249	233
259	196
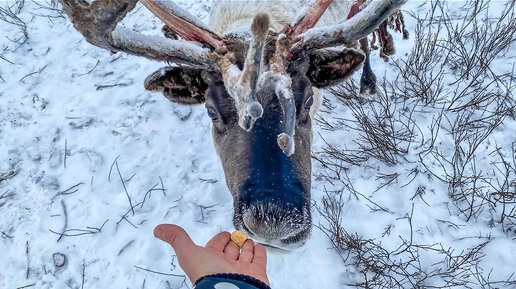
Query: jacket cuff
225	277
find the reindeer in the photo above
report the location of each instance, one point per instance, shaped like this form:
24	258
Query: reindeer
258	68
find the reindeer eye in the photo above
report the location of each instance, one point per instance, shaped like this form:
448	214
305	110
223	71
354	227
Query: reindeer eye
212	114
309	102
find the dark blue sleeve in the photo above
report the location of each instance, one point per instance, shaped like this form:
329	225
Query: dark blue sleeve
229	281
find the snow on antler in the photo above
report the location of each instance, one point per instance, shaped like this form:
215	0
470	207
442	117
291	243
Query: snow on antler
183	23
241	85
349	30
282	85
283	88
160	48
305	20
309	16
98	23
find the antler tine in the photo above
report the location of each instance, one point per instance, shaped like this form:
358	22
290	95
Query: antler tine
308	17
241	85
305	20
183	23
286	99
98	21
348	31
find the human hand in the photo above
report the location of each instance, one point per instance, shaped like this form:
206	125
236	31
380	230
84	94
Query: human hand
220	255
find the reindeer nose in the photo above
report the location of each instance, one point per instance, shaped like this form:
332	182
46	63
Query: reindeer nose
274	212
271	222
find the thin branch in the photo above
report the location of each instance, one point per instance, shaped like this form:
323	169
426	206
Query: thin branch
111	168
9	175
69	191
125	247
160	273
65	152
65	225
83	272
27	271
35	72
26	286
125	189
80	232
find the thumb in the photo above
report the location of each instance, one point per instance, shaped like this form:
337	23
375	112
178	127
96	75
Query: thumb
176	237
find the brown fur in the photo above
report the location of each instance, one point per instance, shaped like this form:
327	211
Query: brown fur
260	26
89	19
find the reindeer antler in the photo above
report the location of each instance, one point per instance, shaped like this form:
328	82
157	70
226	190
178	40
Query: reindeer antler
98	23
308	18
241	85
183	23
347	31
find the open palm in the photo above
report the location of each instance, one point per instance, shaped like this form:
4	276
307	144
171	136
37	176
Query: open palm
220	255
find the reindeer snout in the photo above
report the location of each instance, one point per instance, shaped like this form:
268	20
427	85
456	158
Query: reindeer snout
271	220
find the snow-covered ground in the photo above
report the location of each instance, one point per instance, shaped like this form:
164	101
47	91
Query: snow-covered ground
80	134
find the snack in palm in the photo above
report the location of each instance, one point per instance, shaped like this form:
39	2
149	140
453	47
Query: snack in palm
238	237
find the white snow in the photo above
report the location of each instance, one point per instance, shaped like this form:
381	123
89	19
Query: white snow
79	126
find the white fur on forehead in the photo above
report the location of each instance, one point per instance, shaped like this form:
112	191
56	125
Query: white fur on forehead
231	15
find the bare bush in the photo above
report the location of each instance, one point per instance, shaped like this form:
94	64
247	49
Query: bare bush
385	125
449	78
50	7
473	45
479	99
10	14
405	267
433	120
503	188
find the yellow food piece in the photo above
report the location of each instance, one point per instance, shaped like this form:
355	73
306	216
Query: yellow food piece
238	237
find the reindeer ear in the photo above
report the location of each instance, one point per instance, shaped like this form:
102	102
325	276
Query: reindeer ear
329	67
183	85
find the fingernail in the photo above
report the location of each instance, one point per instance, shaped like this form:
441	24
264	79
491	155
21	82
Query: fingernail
158	232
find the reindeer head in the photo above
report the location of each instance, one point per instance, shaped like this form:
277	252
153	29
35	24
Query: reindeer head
259	90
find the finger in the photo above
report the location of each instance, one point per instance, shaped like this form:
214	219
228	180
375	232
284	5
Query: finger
247	251
260	256
177	238
232	251
219	241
